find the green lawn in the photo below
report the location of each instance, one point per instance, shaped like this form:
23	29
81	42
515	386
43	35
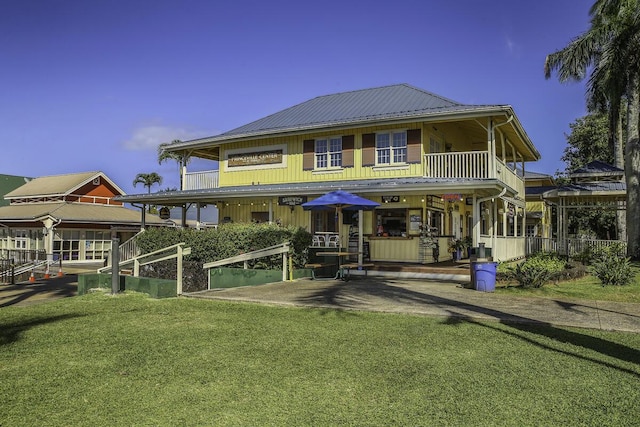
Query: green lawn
588	287
129	360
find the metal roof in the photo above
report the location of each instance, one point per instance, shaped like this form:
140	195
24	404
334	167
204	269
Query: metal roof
536	175
360	107
75	212
57	185
593	187
595	169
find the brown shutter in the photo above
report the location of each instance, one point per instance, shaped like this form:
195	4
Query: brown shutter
414	143
369	149
308	154
347	151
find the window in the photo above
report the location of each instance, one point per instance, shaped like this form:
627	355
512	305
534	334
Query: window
435	146
391	148
391	222
21	239
66	243
328	152
97	244
323	221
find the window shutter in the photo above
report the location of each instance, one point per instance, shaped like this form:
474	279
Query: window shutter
414	143
369	149
347	151
308	154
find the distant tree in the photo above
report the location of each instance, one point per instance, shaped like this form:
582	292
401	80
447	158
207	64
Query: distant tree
147	179
609	52
182	157
589	141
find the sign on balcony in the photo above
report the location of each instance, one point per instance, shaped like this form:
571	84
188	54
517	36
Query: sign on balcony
255	158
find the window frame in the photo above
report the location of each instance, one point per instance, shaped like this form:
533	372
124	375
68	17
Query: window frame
329	158
391	151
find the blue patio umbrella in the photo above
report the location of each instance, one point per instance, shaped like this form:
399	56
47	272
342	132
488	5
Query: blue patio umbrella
342	200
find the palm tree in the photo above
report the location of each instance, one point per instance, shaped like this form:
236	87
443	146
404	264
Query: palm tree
181	157
610	49
147	179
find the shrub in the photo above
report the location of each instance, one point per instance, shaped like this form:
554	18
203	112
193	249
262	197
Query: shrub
229	240
611	265
537	270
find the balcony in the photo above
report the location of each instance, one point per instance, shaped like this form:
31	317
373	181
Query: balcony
200	180
471	165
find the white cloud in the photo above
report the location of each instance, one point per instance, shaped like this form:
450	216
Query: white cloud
149	137
513	48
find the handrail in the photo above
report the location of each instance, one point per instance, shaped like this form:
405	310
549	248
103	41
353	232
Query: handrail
156	256
259	253
137	258
282	248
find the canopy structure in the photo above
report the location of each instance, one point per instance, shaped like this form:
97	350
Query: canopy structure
343	200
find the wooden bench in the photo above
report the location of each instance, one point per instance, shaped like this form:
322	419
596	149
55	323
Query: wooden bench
315	266
355	265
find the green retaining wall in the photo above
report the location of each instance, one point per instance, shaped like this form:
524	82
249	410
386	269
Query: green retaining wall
156	288
226	277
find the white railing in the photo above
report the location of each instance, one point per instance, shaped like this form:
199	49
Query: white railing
571	247
200	180
509	176
282	248
470	164
177	251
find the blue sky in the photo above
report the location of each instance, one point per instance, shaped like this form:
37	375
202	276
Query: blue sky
97	85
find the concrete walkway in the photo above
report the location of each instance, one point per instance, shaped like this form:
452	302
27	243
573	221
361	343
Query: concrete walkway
436	299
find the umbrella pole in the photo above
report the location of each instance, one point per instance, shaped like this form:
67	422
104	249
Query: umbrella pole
360	237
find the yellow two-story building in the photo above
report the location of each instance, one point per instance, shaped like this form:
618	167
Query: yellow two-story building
452	169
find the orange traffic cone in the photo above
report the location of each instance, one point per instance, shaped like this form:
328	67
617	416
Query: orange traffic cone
32	278
46	273
60	273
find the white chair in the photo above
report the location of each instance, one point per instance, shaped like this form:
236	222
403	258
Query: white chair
317	240
334	241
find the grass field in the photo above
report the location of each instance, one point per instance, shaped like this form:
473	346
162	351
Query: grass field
130	360
588	287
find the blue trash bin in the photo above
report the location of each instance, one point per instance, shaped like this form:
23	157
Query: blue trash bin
484	276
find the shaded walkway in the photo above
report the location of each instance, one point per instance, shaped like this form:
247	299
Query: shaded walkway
26	293
437	299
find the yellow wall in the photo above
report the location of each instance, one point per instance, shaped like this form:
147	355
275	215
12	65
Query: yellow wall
293	171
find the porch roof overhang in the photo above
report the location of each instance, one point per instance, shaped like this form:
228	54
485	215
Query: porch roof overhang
388	186
589	192
77	213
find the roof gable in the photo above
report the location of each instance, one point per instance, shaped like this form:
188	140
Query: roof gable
59	185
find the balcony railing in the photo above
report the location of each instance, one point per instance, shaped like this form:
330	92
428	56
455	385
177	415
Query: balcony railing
200	180
471	165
